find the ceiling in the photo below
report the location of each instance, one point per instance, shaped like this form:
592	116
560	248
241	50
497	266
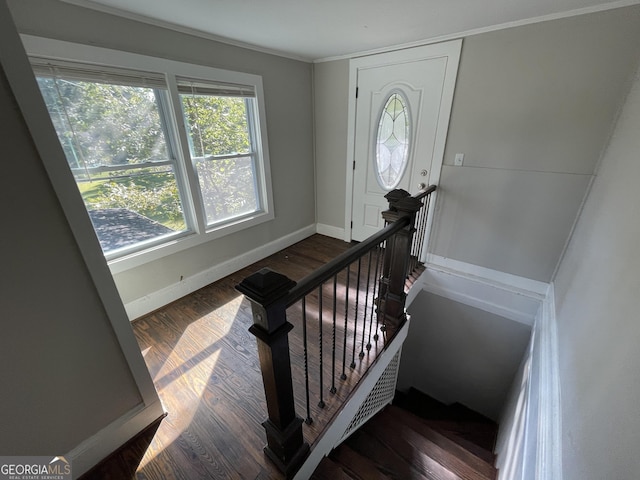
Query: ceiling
321	29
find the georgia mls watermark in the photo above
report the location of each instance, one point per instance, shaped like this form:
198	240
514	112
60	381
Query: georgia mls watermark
34	468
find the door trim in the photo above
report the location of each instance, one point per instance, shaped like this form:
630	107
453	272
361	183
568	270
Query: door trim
449	49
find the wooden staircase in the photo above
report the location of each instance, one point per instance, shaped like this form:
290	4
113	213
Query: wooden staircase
416	438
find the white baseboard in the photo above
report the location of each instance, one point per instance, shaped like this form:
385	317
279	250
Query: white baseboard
330	231
509	296
155	300
99	446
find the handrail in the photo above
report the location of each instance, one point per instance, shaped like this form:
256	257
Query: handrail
427	191
328	270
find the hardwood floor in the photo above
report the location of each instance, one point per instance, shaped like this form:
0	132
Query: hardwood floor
204	364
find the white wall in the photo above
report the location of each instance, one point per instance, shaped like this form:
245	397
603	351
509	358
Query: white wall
458	353
287	87
64	375
532	112
597	299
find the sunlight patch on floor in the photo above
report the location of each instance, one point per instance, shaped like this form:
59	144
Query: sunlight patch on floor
180	383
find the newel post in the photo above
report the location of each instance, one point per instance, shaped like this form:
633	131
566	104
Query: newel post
396	259
267	290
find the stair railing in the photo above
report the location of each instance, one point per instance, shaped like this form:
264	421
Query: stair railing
379	266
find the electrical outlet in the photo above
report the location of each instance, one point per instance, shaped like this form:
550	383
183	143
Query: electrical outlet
459	159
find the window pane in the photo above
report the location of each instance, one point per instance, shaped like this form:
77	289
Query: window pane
228	188
107	132
392	142
221	146
216	125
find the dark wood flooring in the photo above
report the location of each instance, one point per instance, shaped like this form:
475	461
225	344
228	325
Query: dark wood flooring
204	364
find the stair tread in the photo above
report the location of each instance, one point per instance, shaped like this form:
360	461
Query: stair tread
481	435
428	407
471	444
411	445
456	418
394	465
327	469
356	464
443	441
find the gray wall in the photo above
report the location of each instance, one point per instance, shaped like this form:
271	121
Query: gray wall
62	371
533	109
331	82
457	353
532	112
287	87
597	302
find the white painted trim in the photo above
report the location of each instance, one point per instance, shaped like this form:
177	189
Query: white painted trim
27	94
182	29
336	430
99	446
516	298
530	446
330	231
501	279
477	31
549	438
159	298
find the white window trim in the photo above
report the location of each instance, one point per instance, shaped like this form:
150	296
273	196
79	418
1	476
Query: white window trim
61	50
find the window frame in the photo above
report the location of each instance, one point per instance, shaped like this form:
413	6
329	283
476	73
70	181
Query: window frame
197	230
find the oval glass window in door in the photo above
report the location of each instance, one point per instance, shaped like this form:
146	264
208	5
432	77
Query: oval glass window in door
392	141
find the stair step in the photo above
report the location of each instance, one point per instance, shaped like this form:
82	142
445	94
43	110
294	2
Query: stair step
392	464
422	405
330	470
464	413
480	465
428	407
357	465
473	445
466	423
419	450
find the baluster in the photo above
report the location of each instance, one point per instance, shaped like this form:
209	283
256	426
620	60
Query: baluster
374	301
307	420
366	304
346	319
321	402
333	348
355	321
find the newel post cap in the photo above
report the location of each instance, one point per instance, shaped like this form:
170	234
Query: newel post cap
265	286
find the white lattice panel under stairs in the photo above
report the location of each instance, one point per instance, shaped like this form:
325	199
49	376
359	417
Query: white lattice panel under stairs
381	395
374	391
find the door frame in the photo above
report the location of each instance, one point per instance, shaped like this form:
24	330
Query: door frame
451	50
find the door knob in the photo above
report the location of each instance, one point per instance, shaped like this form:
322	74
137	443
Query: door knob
421	186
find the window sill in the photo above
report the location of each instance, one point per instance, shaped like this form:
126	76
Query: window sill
185	241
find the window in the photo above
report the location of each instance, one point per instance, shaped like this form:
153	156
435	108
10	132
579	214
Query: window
218	121
392	142
162	157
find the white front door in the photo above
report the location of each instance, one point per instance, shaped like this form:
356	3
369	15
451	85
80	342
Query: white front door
402	113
